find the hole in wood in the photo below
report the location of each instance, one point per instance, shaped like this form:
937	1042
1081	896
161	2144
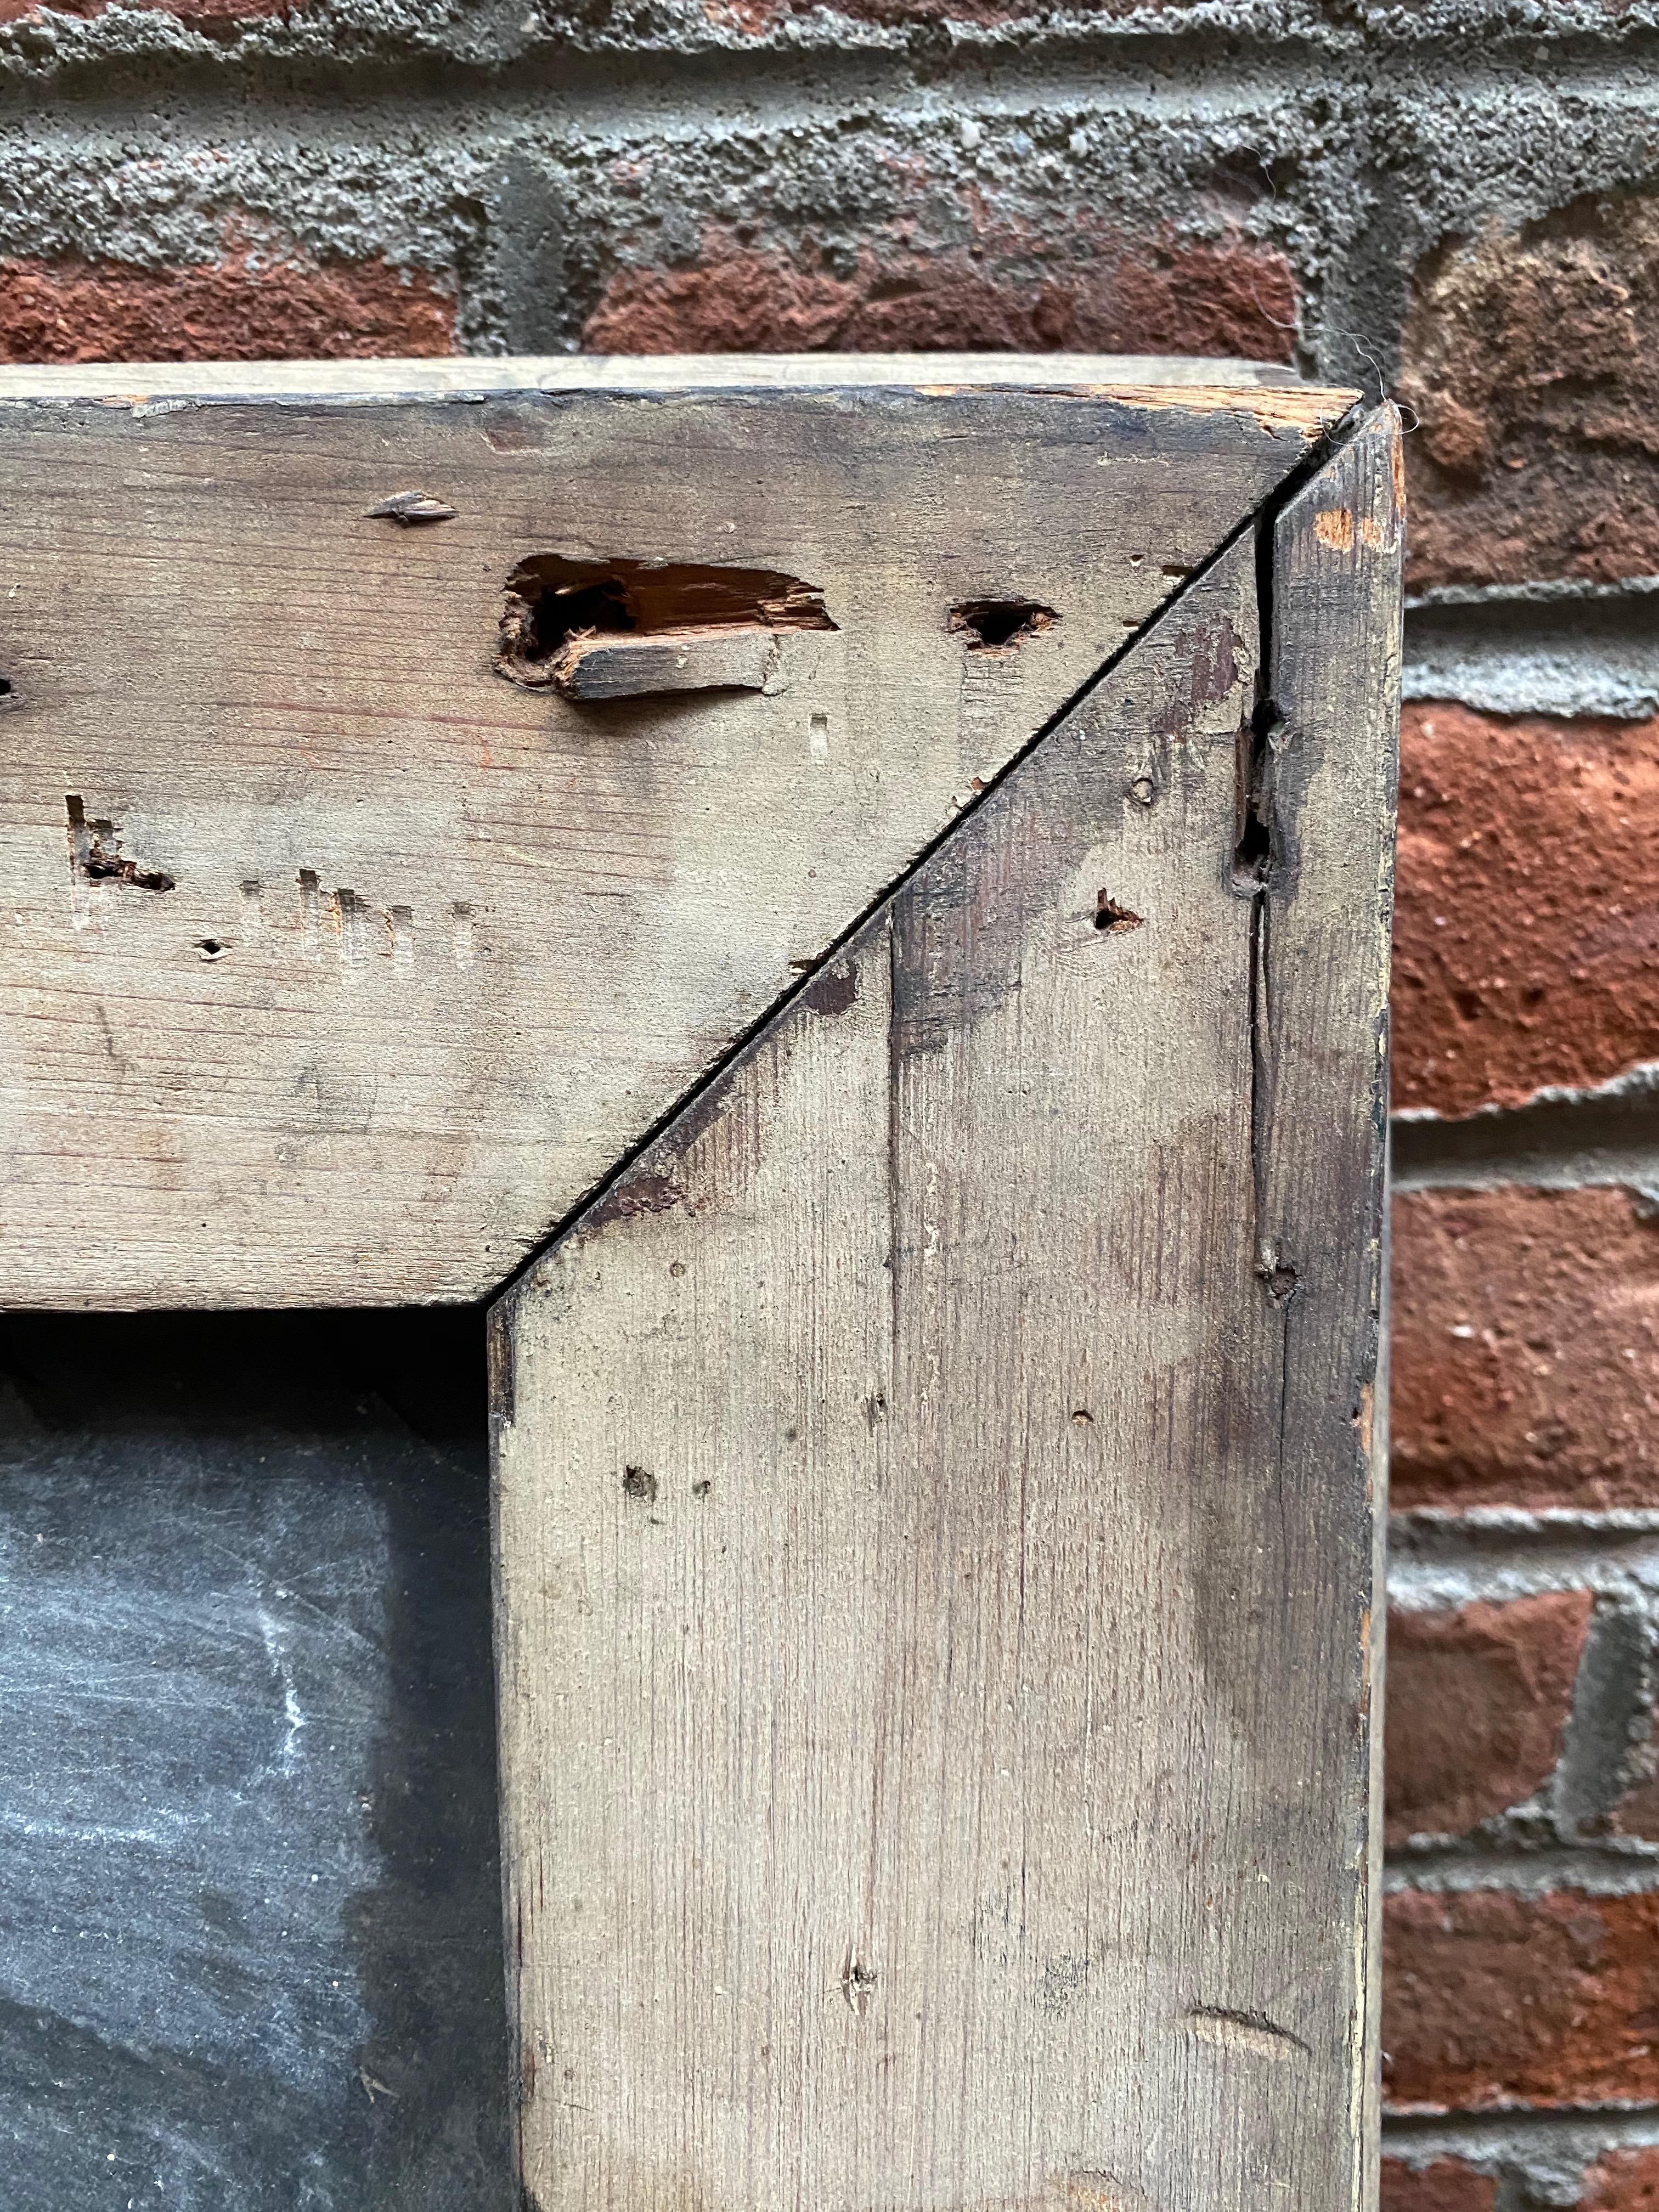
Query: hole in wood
637	1482
96	854
1253	851
1000	625
1112	918
554	604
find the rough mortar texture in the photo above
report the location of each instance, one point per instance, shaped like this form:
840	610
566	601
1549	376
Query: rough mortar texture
1562	649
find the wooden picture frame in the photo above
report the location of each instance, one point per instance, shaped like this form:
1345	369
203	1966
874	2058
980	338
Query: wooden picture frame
851	899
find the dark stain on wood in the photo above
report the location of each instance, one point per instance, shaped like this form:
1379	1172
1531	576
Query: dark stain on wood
502	1370
639	1192
834	989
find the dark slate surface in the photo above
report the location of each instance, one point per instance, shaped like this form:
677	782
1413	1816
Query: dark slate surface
249	1948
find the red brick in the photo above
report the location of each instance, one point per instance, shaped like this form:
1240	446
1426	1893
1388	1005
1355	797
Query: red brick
1446	2184
1477	1702
1527	921
242	308
1622	2181
1094	290
1637	1813
1490	1998
1532	359
1525	1349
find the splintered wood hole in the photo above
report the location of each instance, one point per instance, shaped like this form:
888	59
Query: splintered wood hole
1112	918
1000	625
553	602
96	854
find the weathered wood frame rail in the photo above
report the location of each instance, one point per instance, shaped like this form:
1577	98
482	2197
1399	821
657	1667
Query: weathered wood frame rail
913	1048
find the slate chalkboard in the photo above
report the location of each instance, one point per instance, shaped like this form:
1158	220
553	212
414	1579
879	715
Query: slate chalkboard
250	1949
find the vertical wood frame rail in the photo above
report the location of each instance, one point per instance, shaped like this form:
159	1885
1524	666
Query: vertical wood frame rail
935	1458
938	1494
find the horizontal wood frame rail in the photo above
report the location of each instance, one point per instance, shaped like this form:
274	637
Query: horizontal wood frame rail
327	934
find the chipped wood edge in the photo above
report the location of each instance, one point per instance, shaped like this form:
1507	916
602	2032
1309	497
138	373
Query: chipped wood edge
1270	396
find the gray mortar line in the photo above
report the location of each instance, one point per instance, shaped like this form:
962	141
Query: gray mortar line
1567	648
1087	70
1559	1140
1492	2135
1549	590
1611	1566
685	96
1621	1867
1505	53
1523	2137
596	116
1429	1533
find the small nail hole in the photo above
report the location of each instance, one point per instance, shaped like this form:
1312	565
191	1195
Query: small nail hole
210	948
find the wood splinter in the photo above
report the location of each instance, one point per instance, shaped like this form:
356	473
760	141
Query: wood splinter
409	508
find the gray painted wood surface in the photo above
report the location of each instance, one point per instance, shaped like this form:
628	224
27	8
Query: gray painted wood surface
936	1509
337	970
249	1898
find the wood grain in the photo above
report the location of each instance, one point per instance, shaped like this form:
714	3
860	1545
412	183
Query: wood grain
687	660
1323	1067
361	966
934	1514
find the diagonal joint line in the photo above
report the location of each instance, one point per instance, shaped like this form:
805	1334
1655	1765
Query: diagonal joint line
1260	518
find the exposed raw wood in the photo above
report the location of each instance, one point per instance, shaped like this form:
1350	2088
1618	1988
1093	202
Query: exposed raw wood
308	380
935	1522
435	949
684	660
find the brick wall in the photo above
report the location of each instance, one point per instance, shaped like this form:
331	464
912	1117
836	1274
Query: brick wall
1521	2004
1459	198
